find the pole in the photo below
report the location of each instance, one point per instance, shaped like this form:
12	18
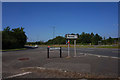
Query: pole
68	48
60	52
48	52
74	48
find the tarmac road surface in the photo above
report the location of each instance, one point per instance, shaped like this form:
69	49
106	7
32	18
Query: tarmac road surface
93	61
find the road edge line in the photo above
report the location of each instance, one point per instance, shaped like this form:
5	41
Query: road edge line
17	75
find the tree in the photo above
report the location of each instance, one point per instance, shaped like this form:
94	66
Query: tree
57	40
14	38
7	29
96	38
109	40
84	38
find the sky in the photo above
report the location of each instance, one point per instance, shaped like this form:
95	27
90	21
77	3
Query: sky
39	18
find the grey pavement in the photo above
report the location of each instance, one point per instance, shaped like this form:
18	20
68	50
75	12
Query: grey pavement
86	64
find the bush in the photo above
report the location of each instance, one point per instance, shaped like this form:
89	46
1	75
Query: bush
14	38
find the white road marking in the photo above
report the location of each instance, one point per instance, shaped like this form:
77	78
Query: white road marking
105	56
99	55
17	75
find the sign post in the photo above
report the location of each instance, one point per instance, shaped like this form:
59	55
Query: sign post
74	48
74	37
60	53
47	52
57	48
68	48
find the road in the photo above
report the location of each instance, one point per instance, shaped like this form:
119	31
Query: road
97	51
17	62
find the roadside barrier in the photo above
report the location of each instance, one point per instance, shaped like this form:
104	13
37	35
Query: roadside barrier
50	48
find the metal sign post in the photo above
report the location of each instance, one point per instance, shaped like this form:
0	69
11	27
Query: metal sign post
60	52
48	51
74	48
74	37
68	49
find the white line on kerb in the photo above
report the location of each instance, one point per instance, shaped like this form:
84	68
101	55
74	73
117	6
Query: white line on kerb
19	75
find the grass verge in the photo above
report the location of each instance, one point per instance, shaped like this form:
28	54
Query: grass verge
14	49
83	46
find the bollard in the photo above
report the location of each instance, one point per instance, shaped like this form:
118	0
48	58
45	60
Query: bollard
48	52
60	52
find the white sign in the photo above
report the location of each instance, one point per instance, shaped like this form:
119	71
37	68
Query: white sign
69	36
54	48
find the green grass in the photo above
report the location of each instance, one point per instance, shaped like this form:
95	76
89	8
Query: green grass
82	46
71	46
14	49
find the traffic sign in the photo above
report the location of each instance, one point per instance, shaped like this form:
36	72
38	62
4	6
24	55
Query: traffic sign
68	37
71	36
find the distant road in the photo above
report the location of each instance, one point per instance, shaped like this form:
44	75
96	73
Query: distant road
97	51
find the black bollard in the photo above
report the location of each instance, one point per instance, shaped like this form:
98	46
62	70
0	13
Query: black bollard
60	52
47	52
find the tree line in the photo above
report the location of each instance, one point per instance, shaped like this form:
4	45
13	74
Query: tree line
13	38
16	38
83	39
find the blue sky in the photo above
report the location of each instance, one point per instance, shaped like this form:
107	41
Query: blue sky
38	18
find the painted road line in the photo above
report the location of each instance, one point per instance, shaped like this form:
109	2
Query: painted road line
105	56
115	57
17	75
100	55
